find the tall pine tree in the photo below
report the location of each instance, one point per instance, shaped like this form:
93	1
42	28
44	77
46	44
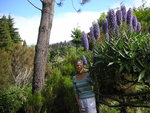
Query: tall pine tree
13	31
5	38
8	33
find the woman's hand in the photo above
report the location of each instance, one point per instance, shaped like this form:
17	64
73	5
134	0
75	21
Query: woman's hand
80	109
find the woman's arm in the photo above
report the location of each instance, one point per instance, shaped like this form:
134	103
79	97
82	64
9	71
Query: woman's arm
79	104
77	99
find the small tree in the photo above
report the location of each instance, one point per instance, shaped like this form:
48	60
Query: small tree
76	35
5	37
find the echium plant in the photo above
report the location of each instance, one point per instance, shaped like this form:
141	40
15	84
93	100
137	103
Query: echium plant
120	63
85	41
84	60
96	30
111	20
129	19
134	22
129	16
119	17
92	33
105	28
124	13
138	27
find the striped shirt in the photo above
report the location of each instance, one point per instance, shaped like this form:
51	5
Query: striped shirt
83	87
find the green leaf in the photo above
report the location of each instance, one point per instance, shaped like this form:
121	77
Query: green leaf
121	68
110	63
142	74
141	64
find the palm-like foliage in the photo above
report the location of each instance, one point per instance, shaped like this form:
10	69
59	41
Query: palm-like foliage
122	63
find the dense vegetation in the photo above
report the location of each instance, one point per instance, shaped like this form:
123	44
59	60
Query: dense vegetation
117	57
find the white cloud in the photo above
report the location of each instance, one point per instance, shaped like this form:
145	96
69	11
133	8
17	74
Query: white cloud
28	28
137	3
61	29
130	3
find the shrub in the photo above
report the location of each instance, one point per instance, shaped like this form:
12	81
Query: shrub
5	70
13	99
58	94
121	64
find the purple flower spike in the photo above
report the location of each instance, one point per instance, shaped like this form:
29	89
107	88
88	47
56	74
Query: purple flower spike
117	30
96	30
134	22
92	33
107	36
124	14
119	17
129	16
131	28
105	26
84	60
111	19
138	28
85	41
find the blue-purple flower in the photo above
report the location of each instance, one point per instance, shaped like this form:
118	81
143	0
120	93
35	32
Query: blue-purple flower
111	19
96	30
138	27
84	60
119	17
117	31
107	36
124	14
129	16
134	22
92	33
105	26
85	41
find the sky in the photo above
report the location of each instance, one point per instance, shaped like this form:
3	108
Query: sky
27	18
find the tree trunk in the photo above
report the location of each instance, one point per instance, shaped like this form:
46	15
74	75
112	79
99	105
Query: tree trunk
41	50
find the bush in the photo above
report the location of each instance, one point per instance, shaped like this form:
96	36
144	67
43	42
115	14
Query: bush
58	94
5	70
121	65
13	99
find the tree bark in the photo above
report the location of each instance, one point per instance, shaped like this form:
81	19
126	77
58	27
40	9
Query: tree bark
41	49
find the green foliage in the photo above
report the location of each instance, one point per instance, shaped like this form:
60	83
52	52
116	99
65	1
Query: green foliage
143	15
22	64
36	101
5	70
5	37
57	55
58	94
13	31
12	99
8	33
126	53
105	109
103	16
76	35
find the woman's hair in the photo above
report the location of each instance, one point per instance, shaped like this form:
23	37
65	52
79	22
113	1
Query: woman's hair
79	60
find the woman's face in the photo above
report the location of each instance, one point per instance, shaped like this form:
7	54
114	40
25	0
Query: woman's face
79	67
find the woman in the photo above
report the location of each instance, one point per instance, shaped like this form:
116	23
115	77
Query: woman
83	92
